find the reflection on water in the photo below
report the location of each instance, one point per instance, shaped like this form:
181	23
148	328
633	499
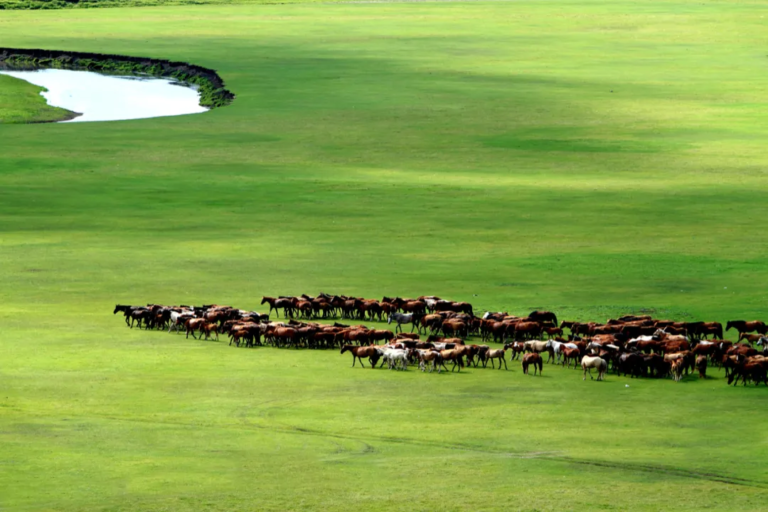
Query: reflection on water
110	98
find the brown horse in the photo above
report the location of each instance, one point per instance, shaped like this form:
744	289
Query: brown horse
535	360
454	356
701	365
211	327
543	316
360	352
743	326
751	338
194	324
278	303
571	355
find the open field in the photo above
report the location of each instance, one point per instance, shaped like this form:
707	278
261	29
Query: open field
590	158
20	102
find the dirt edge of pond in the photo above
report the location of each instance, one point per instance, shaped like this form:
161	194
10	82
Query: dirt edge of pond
211	87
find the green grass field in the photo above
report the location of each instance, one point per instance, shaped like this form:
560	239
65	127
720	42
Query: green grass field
20	102
587	157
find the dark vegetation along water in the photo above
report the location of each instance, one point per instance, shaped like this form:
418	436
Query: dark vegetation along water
208	82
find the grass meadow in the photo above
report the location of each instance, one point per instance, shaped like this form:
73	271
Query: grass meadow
591	158
20	102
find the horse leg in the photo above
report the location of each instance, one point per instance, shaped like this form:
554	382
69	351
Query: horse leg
505	364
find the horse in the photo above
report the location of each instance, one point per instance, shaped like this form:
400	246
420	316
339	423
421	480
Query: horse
400	319
178	318
360	352
535	360
555	349
571	355
492	354
701	365
194	324
427	356
589	362
395	357
126	310
517	347
277	303
743	326
454	356
543	316
211	327
754	371
453	328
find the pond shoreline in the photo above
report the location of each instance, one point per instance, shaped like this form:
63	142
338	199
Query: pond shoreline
213	93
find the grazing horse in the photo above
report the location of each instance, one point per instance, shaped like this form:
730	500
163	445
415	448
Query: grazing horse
677	369
589	362
400	319
701	365
491	354
535	360
543	316
360	352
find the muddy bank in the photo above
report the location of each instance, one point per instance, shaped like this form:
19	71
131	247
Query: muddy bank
211	87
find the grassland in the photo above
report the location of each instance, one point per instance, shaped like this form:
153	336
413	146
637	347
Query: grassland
591	158
20	102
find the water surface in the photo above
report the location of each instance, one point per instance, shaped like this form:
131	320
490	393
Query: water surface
110	98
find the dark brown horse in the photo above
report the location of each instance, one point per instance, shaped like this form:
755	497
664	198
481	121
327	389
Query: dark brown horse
743	326
532	359
277	304
543	316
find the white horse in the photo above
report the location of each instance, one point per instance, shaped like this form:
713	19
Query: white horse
394	357
556	348
176	321
643	338
587	363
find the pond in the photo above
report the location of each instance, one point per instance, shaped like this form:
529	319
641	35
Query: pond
110	98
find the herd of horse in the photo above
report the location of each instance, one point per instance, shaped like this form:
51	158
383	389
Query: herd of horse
638	346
